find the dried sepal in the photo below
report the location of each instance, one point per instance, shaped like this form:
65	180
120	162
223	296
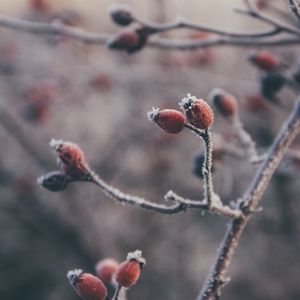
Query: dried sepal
54	181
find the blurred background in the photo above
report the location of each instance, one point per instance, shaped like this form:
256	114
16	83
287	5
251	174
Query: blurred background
55	87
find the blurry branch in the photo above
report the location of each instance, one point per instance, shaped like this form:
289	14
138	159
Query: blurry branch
266	38
10	123
295	8
253	12
182	23
54	28
246	141
248	204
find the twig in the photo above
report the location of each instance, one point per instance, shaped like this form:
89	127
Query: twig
130	199
245	139
250	200
57	28
209	194
251	11
181	23
117	292
217	207
295	8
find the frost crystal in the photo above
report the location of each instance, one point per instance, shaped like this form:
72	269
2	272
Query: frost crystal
186	103
73	275
152	114
55	144
40	179
136	255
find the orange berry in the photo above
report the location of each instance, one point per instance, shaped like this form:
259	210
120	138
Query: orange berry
224	102
265	60
198	112
106	268
129	271
169	120
87	286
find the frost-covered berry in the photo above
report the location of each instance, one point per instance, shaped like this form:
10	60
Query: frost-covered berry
70	158
265	60
224	102
54	181
129	271
197	111
169	120
130	39
106	268
121	14
87	286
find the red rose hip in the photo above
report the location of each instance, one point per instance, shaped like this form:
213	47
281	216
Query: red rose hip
197	111
87	286
70	158
129	271
224	102
264	60
106	268
169	120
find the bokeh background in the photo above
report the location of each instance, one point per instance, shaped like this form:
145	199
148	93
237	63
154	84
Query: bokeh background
55	87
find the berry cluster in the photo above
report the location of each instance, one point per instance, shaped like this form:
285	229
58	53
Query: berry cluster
109	275
197	112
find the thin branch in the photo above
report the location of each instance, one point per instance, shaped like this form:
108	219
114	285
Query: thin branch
217	207
117	292
251	11
54	28
181	23
121	197
209	194
295	8
194	129
57	28
252	197
246	141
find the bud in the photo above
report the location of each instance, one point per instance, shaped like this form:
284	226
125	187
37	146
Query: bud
271	84
54	181
169	120
121	14
262	4
265	61
129	271
39	5
70	158
106	268
225	103
87	286
130	39
197	111
255	103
